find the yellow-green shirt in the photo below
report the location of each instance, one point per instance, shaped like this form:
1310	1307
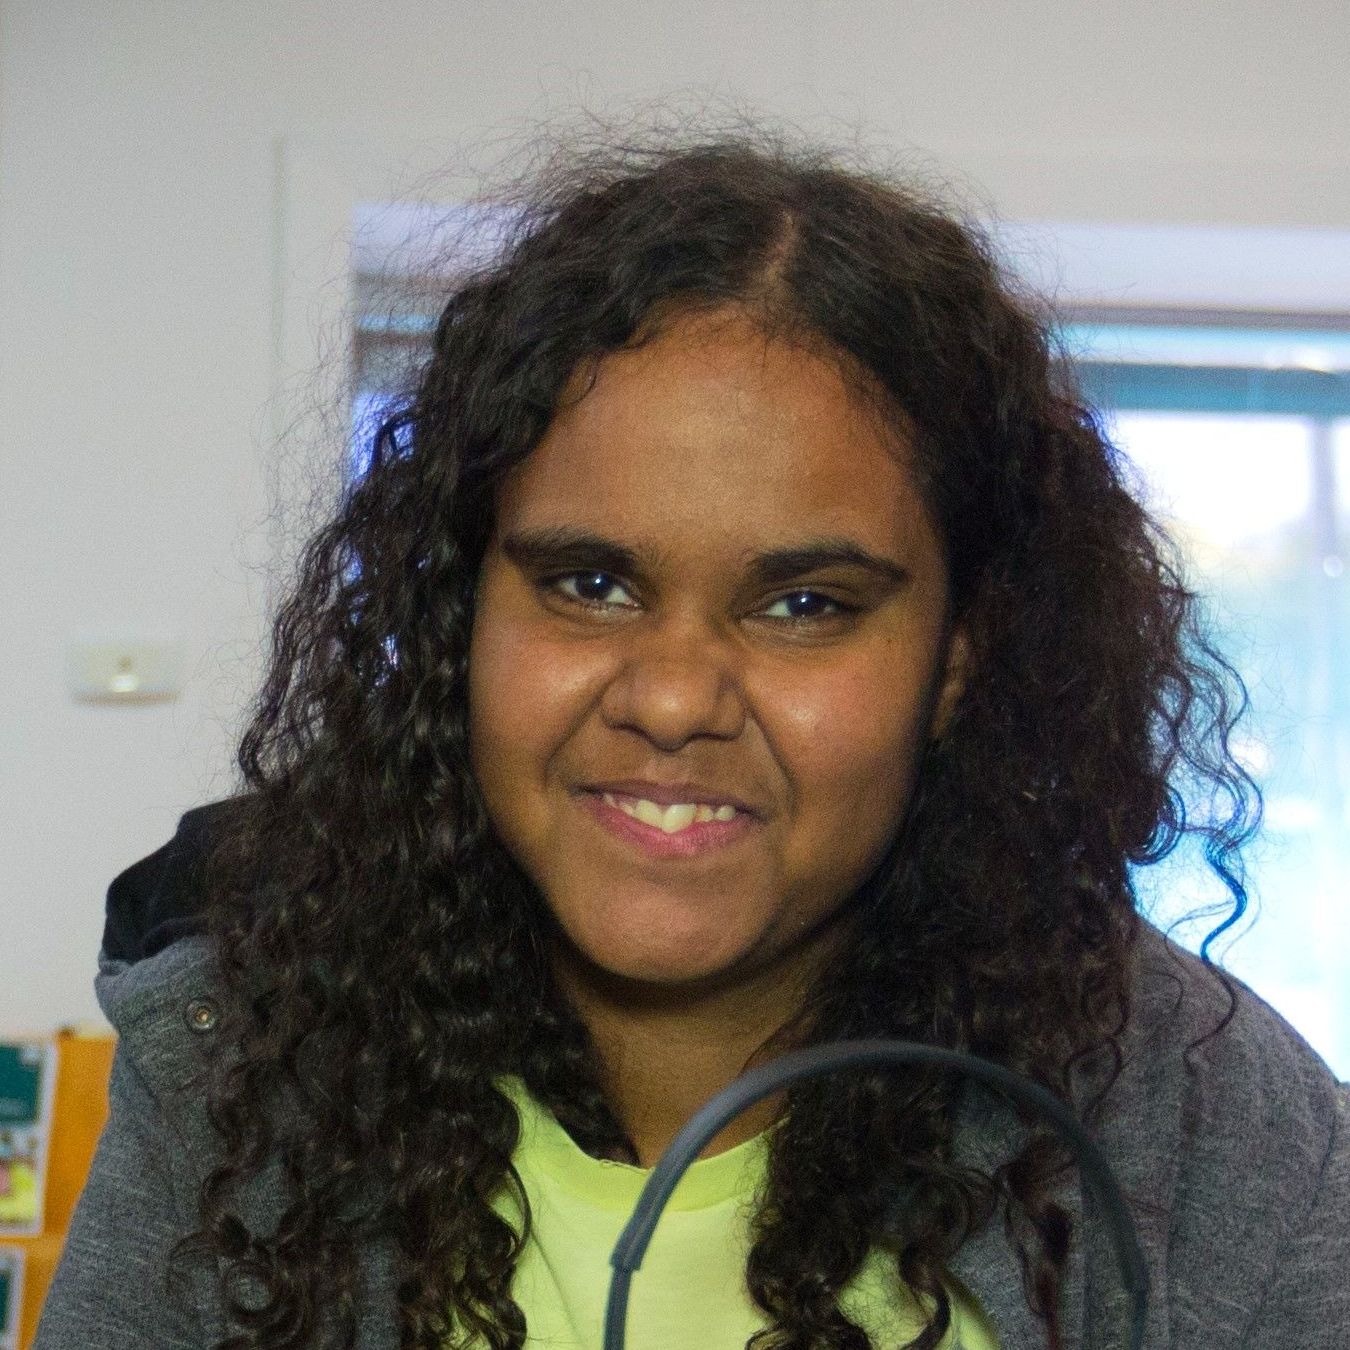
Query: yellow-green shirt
690	1291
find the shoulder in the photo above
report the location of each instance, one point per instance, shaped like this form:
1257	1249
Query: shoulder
1211	1066
158	979
1222	1126
1210	1043
166	1010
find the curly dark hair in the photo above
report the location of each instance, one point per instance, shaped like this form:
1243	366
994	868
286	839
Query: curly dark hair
386	959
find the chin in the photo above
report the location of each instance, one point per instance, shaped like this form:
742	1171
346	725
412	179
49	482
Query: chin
684	965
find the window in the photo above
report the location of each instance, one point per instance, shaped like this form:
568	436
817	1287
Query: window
1240	438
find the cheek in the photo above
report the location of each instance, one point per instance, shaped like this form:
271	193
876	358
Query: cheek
525	699
500	678
851	746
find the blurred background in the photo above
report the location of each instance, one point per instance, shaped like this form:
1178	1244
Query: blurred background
206	283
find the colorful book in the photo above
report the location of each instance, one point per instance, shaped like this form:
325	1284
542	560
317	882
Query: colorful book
27	1082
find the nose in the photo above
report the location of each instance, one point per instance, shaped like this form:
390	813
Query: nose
675	682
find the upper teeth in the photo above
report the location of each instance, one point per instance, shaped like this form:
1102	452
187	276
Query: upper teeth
668	818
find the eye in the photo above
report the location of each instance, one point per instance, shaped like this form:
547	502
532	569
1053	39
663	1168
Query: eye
587	588
806	606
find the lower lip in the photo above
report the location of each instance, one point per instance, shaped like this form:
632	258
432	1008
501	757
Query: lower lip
701	837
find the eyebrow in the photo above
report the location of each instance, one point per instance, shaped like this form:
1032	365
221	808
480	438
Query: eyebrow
562	546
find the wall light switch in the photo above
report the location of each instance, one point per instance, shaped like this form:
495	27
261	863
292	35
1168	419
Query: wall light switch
125	672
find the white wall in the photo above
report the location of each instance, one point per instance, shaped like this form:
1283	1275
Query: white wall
169	173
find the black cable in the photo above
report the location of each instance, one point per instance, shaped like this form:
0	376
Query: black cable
759	1083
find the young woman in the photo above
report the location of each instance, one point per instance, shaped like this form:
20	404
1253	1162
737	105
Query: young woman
742	640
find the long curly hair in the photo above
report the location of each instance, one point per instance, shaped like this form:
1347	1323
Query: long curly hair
386	960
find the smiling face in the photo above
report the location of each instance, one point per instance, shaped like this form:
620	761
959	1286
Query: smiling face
713	575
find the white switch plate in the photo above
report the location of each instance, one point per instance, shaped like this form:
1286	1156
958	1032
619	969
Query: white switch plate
125	672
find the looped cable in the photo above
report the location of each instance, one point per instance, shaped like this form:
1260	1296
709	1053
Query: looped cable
817	1060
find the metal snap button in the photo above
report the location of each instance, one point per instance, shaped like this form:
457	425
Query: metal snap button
202	1015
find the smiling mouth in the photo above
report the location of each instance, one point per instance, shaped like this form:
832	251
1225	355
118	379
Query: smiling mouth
682	830
669	819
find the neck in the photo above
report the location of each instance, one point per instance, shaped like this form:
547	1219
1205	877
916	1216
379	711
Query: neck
666	1051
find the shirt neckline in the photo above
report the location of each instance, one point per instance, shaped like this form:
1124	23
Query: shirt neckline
547	1148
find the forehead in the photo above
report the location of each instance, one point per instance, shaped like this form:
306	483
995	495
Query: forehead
713	432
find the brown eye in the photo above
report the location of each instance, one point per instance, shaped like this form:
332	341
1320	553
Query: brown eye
805	606
588	588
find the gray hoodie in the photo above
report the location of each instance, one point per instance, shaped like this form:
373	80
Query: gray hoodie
1237	1157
